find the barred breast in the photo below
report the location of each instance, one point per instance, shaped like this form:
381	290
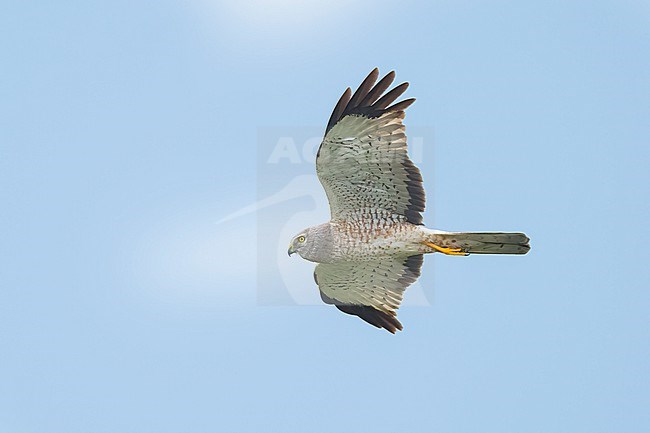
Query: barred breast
362	242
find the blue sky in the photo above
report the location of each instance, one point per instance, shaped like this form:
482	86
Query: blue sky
128	130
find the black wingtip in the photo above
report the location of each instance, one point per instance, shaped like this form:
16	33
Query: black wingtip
390	97
368	101
373	316
363	89
339	109
378	90
402	105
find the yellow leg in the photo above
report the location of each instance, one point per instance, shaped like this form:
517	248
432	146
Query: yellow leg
446	250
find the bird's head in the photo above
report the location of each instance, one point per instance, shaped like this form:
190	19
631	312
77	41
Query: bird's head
314	244
299	242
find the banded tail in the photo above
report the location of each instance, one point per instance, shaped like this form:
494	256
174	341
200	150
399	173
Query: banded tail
464	243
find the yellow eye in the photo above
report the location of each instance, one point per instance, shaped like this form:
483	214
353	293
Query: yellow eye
301	239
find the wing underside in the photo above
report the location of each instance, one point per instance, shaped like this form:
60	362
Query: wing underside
363	162
372	290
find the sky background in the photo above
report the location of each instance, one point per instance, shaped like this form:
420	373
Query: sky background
129	130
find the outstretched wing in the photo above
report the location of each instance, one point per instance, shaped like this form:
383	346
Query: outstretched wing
362	162
372	290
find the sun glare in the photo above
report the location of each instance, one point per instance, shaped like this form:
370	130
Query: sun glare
281	17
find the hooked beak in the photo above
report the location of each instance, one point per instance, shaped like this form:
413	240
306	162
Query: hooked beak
291	250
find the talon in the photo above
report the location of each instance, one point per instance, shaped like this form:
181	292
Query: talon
447	250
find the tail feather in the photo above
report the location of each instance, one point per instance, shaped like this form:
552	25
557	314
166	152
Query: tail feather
484	242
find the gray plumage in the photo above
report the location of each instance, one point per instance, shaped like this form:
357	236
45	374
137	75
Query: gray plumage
372	248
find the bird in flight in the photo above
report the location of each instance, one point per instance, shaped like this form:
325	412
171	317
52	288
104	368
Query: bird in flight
372	248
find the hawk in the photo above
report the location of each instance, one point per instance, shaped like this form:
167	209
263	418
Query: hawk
372	248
